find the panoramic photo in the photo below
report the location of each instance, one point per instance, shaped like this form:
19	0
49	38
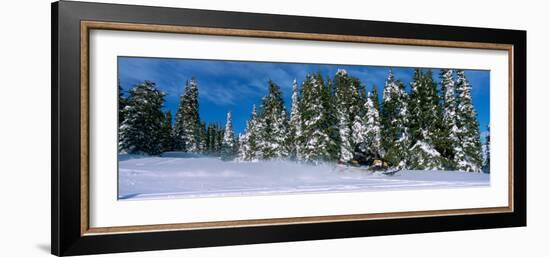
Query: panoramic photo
192	128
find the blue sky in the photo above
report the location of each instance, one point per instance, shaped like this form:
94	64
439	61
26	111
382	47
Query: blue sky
236	85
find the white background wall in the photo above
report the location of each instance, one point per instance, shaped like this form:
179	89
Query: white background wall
25	128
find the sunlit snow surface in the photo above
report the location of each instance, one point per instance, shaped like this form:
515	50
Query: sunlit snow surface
187	176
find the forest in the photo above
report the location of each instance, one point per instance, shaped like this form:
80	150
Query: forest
429	126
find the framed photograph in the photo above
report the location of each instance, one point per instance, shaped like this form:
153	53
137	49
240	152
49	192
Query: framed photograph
178	128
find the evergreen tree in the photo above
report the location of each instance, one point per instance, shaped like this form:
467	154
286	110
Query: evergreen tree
357	114
346	151
141	130
331	129
425	123
350	98
209	138
274	125
167	139
187	125
487	159
295	124
468	155
373	140
242	148
374	98
367	137
213	132
122	102
280	133
345	98
449	137
203	140
219	138
249	150
228	144
394	120
359	137
179	142
315	140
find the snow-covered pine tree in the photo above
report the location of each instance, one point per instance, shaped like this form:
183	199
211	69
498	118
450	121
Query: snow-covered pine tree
425	123
328	101
203	140
394	118
242	149
350	98
449	138
487	151
179	142
373	142
187	124
252	151
295	124
357	114
346	150
468	155
366	132
259	128
167	139
345	97
236	146
122	102
280	133
209	138
219	139
273	124
141	130
213	143
316	142
374	98
359	137
228	144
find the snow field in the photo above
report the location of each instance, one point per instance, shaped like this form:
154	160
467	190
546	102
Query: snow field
172	176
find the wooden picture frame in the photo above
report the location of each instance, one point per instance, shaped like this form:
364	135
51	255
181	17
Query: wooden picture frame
71	25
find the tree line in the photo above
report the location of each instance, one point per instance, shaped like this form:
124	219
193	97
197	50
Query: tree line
434	126
145	129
